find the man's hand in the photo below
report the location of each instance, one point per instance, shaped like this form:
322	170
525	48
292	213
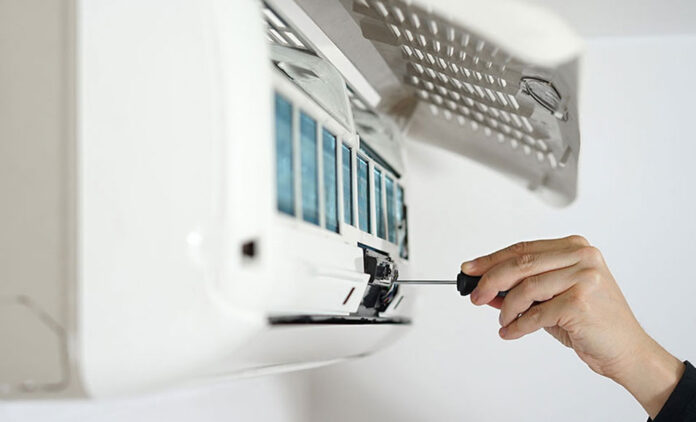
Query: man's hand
564	286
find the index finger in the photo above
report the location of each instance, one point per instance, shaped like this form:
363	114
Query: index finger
484	263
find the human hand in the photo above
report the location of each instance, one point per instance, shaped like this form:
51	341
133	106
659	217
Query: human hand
564	286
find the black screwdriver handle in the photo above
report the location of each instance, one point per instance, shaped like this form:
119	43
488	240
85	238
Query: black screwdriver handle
467	283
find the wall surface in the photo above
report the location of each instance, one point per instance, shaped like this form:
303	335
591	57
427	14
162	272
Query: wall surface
594	18
278	398
637	203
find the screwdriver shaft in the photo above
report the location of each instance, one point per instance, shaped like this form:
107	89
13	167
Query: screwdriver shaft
425	282
465	283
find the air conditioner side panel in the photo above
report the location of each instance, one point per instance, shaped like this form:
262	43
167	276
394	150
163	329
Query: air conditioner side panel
153	213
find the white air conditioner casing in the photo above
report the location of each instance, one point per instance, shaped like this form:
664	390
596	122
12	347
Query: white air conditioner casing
142	246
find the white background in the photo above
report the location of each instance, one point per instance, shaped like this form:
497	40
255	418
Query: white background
636	203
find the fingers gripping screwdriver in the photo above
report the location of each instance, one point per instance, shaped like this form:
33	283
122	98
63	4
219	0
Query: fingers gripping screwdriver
465	283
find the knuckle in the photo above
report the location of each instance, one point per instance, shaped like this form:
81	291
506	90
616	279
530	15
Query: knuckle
529	285
524	261
576	239
591	254
591	277
519	248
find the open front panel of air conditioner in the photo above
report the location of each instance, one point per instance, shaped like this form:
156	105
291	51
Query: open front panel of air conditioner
494	81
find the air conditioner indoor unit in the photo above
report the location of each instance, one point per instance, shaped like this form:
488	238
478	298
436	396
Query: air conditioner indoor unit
216	188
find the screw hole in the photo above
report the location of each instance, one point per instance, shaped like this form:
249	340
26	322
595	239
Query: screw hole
249	249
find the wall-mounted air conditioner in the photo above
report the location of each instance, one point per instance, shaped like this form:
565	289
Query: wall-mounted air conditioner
217	188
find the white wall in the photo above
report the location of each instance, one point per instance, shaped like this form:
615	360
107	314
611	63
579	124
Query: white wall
278	398
637	203
593	18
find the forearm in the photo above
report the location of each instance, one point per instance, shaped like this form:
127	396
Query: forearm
650	375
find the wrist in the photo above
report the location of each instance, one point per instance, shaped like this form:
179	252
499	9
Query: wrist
650	374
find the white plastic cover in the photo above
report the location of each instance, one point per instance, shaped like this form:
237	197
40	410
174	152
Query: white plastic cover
492	80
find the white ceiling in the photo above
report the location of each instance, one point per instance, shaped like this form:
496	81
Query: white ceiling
597	18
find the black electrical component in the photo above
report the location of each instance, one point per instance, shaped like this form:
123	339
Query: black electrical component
381	290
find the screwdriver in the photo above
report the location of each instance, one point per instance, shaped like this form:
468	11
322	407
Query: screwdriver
465	283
